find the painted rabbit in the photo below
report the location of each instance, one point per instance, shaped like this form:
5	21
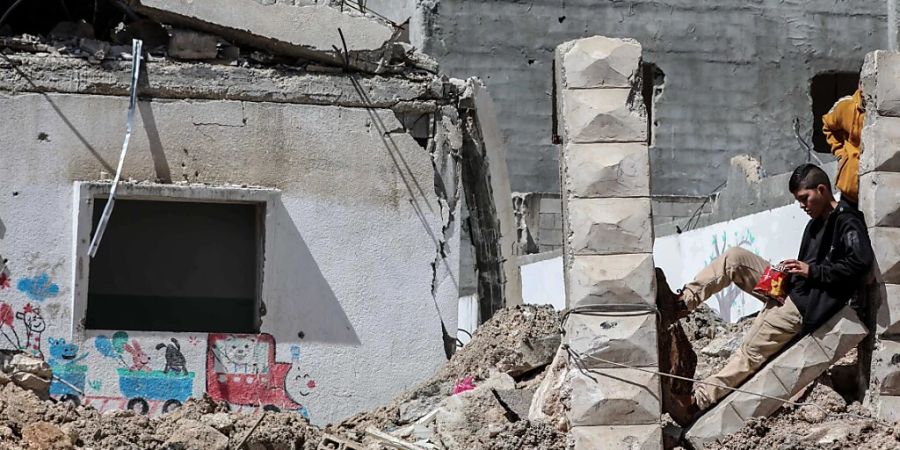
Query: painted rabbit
139	359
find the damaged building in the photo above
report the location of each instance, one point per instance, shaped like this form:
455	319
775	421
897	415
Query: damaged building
286	233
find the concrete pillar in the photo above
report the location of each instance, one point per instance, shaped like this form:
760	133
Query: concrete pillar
879	190
608	244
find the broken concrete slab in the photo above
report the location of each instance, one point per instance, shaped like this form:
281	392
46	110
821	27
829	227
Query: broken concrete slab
191	45
613	397
608	226
607	170
606	279
888	408
626	338
879	198
620	437
309	31
212	82
880	145
600	61
780	378
888	315
530	354
886	245
879	73
546	405
603	115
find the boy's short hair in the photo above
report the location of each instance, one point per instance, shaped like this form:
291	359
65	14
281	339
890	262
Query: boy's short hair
808	176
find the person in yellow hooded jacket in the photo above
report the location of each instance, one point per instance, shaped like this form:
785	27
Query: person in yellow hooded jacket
843	128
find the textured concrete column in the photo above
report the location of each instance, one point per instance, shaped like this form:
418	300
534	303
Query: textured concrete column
605	174
879	191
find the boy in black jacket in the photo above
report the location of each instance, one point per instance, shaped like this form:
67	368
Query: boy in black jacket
835	255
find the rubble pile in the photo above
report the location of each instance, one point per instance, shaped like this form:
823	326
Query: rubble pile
479	400
713	339
836	425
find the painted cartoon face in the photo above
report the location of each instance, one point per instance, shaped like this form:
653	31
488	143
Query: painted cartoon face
60	349
305	384
34	321
239	349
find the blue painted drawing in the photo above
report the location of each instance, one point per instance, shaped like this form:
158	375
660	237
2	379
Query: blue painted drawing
63	353
68	376
38	288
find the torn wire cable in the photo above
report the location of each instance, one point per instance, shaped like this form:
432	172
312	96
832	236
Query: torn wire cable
137	52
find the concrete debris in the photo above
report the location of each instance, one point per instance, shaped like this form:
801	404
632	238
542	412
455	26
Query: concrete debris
45	436
194	435
26	372
187	44
67	30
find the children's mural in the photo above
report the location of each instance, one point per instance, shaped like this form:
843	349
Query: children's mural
147	373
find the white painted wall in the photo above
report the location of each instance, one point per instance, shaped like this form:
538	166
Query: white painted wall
352	244
774	234
543	282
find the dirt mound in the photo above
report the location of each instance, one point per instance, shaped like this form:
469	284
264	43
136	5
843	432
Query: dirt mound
713	339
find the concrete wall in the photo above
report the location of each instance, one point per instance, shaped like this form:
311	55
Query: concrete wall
355	231
736	73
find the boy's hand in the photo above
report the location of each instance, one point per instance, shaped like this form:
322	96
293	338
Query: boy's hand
795	267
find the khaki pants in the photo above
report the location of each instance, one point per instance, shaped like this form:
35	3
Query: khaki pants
775	326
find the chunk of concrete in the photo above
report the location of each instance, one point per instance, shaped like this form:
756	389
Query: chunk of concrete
530	354
879	76
613	397
603	115
600	61
194	435
546	405
627	338
21	362
886	367
45	436
619	437
888	407
879	198
611	279
886	245
609	226
301	31
781	378
607	170
888	315
880	146
188	45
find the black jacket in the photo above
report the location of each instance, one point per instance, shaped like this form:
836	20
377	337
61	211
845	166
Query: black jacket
838	258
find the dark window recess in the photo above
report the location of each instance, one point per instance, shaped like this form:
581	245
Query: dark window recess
825	90
177	266
652	81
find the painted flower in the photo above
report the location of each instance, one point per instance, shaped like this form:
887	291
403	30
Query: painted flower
6	314
38	288
4	281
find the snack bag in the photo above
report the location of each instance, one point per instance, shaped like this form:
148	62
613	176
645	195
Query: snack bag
773	283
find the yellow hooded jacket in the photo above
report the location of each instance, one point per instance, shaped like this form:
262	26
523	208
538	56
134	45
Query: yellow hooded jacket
843	129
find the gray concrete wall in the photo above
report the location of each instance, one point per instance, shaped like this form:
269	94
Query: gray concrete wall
737	73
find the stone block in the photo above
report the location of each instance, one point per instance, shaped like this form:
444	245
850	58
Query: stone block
607	170
886	244
605	226
888	316
881	82
627	338
603	115
278	27
784	377
620	437
808	362
613	397
607	279
886	367
879	198
600	61
880	146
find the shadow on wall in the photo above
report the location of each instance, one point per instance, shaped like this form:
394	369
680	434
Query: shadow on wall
301	303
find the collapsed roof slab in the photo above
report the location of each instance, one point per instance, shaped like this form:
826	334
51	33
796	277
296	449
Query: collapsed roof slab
212	82
309	32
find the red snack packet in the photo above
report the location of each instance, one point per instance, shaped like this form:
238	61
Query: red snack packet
773	283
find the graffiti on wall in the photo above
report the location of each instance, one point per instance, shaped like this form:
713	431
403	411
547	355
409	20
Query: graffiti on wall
241	369
143	388
39	287
731	295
